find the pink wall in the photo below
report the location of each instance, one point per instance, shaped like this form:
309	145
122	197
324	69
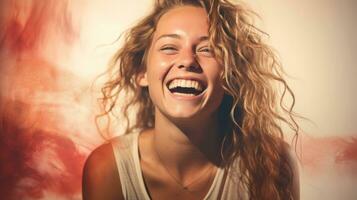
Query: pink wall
51	51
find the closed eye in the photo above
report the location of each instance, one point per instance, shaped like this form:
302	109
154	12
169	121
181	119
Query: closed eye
206	51
168	49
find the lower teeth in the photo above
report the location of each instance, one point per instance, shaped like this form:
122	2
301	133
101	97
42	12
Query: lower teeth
183	94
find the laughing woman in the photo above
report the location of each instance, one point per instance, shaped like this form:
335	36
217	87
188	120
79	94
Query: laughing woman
208	120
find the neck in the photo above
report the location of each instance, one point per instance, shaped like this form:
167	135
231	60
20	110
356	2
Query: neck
186	146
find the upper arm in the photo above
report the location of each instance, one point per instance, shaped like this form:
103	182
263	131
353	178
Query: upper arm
292	160
100	175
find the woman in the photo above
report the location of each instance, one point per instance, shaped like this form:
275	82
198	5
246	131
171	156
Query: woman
207	125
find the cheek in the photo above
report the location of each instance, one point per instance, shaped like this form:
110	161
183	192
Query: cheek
158	66
213	70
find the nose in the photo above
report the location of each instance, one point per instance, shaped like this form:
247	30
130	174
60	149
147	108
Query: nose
188	60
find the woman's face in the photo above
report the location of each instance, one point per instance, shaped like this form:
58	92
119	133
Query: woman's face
182	75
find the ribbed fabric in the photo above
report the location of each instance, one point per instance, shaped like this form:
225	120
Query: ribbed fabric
126	154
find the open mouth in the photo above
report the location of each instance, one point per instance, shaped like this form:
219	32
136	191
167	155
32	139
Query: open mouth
186	87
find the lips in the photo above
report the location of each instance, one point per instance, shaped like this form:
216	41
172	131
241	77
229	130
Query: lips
186	87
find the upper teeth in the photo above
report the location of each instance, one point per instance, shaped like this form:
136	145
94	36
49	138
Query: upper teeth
185	83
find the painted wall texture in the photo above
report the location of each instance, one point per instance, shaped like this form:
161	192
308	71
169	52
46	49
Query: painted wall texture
52	51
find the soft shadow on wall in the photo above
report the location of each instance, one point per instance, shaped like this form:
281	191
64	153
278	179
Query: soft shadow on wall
46	111
47	106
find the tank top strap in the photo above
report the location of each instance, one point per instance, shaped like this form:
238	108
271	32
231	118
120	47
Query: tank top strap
233	186
125	150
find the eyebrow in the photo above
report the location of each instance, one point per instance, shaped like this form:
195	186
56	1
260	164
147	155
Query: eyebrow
202	38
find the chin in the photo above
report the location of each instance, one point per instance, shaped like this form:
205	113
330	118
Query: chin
183	114
191	116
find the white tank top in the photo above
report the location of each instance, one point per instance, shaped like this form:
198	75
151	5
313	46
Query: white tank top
126	154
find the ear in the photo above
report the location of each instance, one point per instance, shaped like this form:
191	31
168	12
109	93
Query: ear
142	79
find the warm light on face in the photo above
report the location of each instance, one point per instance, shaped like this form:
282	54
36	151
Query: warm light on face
180	50
51	51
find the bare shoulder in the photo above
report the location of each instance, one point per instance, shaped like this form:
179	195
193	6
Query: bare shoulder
291	158
100	175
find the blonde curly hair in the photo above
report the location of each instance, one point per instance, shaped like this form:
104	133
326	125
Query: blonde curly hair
252	108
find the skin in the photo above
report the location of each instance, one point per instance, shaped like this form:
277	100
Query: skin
186	151
181	49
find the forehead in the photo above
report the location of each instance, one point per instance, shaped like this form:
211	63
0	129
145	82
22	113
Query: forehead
188	19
